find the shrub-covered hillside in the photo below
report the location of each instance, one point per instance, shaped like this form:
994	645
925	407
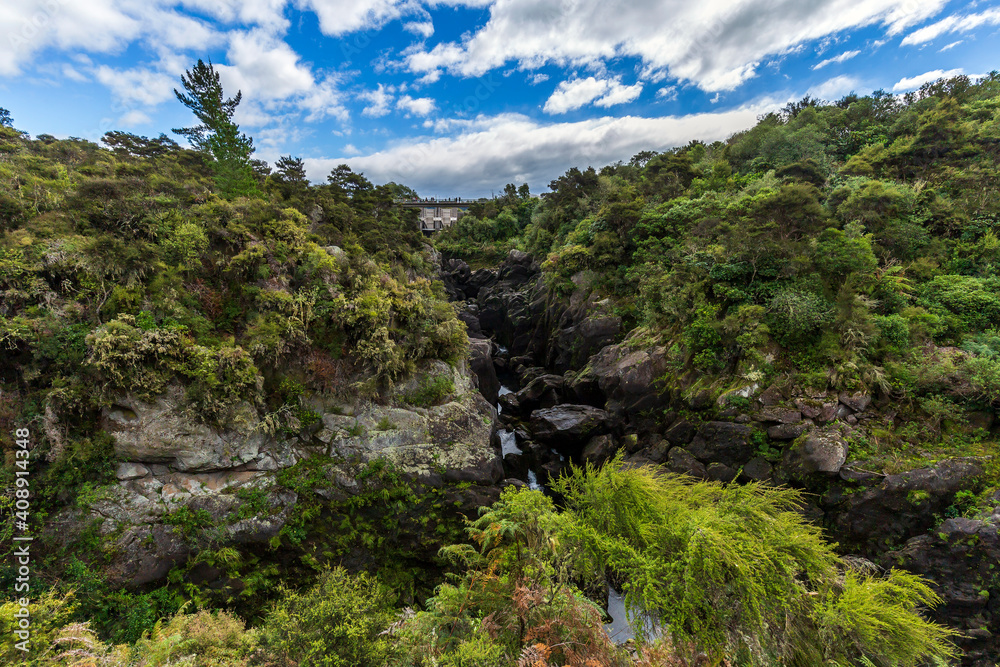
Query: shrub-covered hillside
123	273
255	439
851	244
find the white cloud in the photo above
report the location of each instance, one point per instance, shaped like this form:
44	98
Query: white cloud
324	99
619	94
139	85
538	78
846	55
95	26
269	73
340	17
489	151
73	74
421	106
717	44
948	47
265	13
835	88
423	28
576	93
667	93
134	118
914	82
379	99
952	24
263	67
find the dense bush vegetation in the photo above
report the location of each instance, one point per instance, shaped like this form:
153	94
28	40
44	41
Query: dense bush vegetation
847	246
128	270
715	570
851	246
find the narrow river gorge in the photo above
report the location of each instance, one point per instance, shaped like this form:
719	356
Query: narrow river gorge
570	387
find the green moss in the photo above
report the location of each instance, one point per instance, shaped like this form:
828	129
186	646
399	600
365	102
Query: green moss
188	522
432	390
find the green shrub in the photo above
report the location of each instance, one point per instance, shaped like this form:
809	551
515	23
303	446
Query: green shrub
432	390
337	623
965	303
796	315
684	547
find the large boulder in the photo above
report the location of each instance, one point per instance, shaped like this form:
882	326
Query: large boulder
959	557
599	449
681	432
481	363
779	415
576	344
890	509
682	462
568	424
629	377
787	431
822	450
164	431
857	401
544	391
723	442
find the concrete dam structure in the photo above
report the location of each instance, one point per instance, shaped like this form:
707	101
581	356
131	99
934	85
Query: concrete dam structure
437	214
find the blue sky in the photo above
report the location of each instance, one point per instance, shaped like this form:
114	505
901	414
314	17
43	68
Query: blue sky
459	97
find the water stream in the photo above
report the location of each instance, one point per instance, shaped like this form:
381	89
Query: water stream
508	444
619	629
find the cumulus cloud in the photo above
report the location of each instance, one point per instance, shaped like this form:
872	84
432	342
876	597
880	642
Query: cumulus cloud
379	101
914	82
667	93
270	73
576	93
952	24
140	85
422	28
717	44
835	88
488	151
266	13
134	118
846	55
263	67
96	26
421	106
340	17
619	94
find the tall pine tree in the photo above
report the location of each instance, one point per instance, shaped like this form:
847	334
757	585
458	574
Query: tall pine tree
218	135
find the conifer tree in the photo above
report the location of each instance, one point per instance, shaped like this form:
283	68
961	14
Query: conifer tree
218	135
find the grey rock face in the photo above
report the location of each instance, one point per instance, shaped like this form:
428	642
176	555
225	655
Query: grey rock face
819	451
900	506
481	363
780	415
682	462
161	432
723	442
568	424
960	558
787	431
856	401
628	378
599	449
